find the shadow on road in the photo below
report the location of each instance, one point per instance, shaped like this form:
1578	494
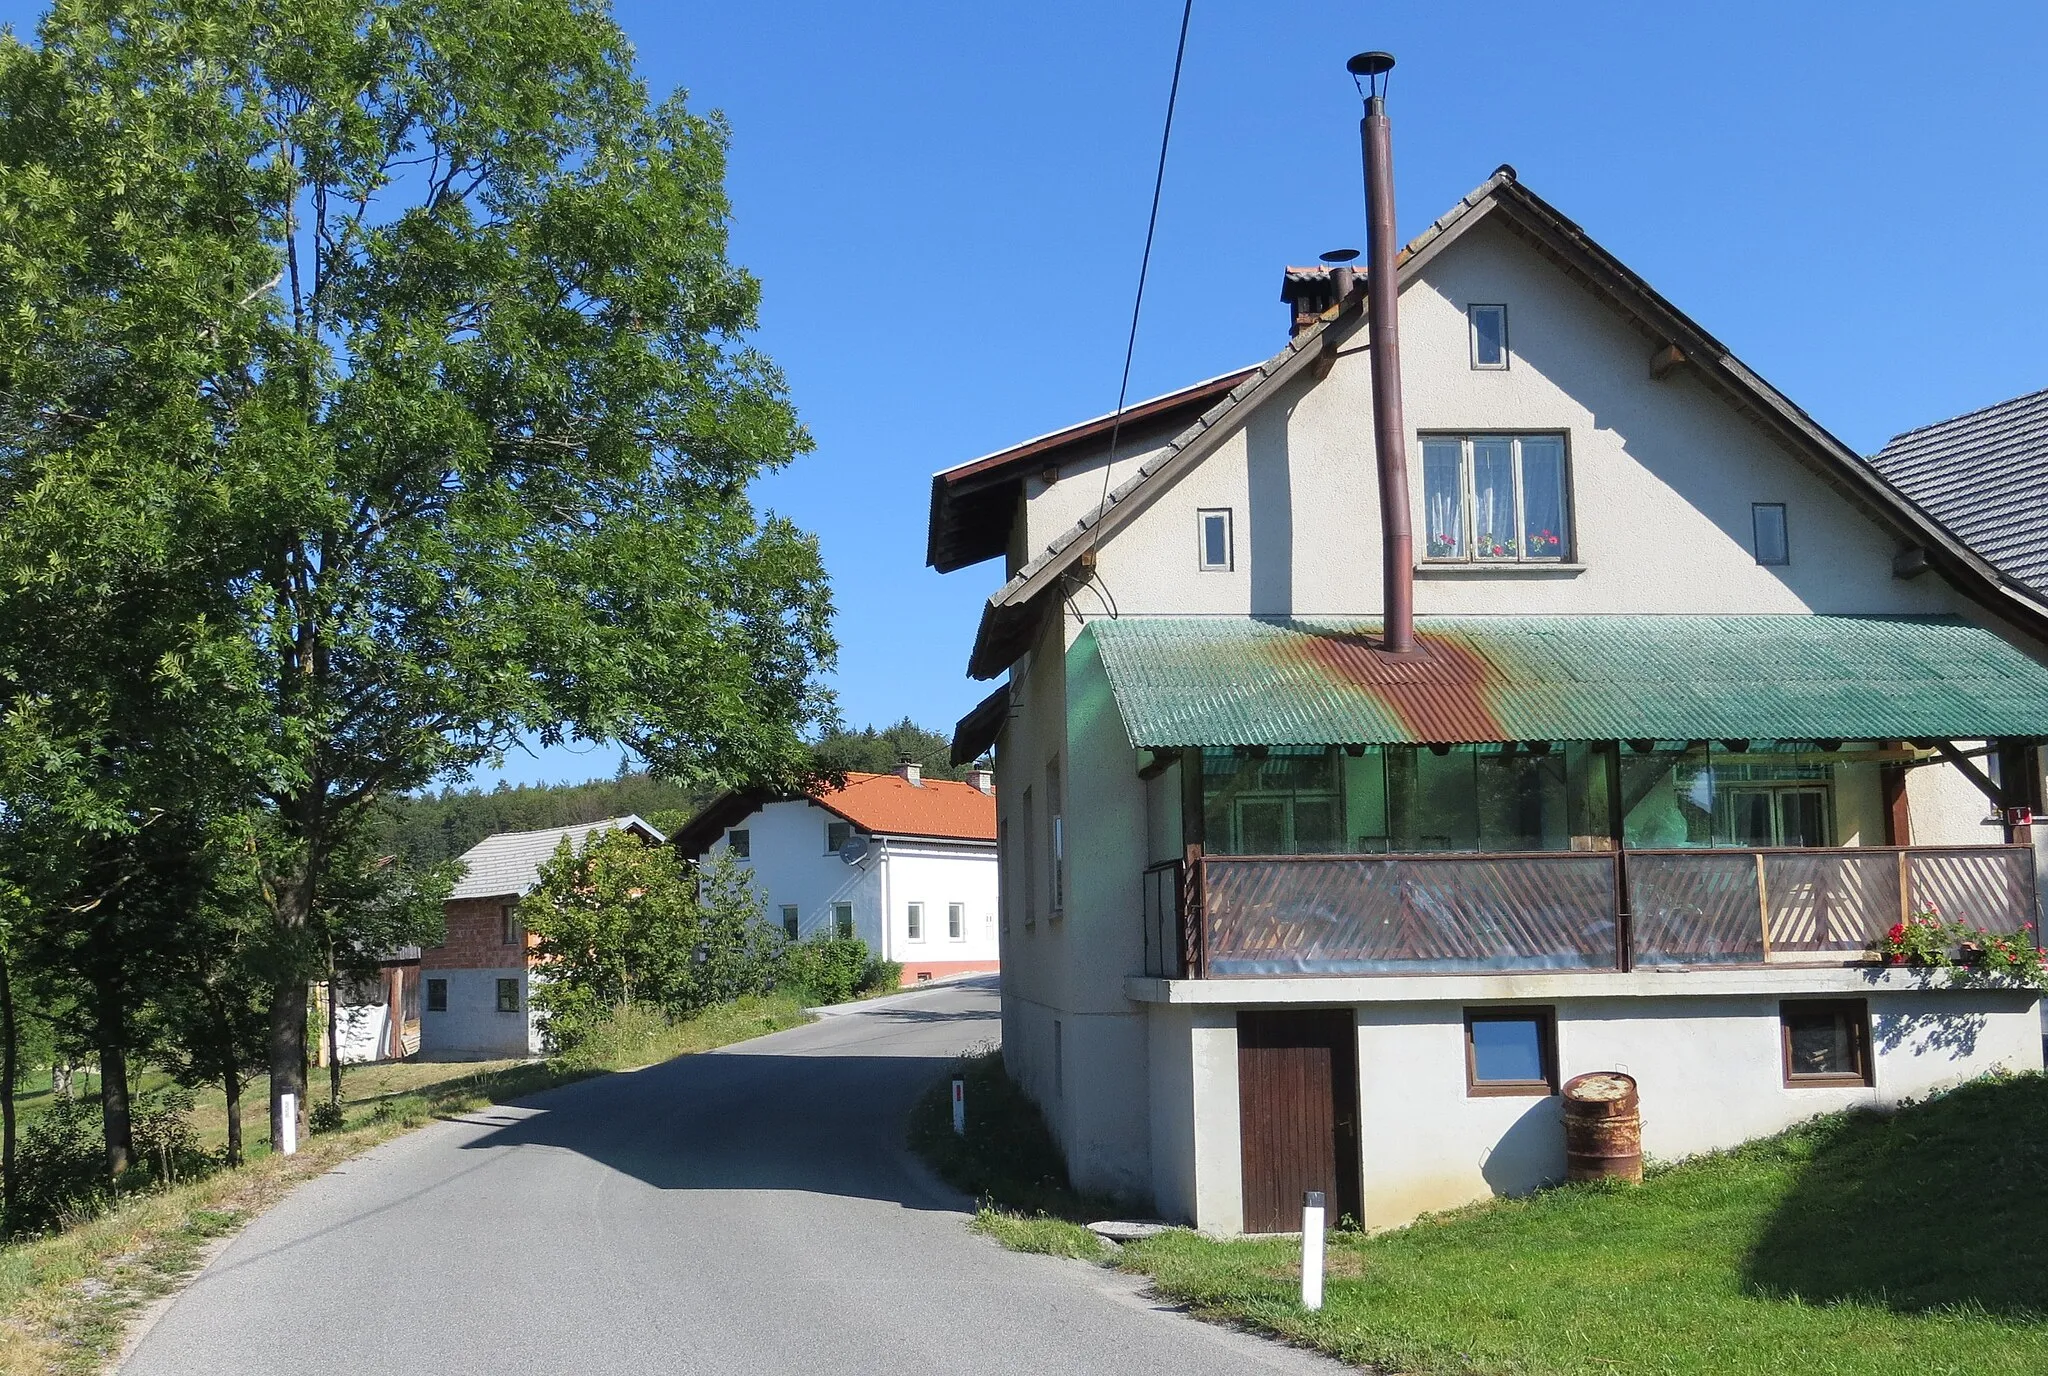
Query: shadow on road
828	1120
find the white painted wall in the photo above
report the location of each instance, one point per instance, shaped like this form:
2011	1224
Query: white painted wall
472	1027
790	865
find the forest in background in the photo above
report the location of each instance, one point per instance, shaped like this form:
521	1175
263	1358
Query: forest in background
427	828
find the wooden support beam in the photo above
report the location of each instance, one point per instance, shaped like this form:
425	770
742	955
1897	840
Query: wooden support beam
1951	755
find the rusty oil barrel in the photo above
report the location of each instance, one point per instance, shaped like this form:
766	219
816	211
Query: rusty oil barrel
1603	1128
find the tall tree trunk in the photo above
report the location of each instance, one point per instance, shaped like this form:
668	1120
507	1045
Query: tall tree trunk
110	1029
231	1086
9	1045
287	1054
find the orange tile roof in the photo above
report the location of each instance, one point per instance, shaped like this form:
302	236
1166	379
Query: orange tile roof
886	805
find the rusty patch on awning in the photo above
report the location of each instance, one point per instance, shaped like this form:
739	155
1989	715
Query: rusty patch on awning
1444	693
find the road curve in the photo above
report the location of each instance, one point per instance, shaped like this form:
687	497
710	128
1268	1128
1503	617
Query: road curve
746	1210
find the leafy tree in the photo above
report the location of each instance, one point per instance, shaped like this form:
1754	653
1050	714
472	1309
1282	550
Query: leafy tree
873	751
623	923
423	313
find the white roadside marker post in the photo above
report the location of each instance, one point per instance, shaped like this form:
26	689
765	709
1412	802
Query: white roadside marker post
290	1123
959	1107
1312	1250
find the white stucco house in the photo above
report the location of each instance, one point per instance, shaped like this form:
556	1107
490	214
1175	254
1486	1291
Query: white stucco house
905	863
1700	706
477	981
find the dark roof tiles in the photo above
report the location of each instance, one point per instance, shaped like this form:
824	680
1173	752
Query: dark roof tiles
1984	476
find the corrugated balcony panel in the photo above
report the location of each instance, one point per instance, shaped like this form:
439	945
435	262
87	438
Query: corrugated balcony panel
1988	887
1830	901
1354	915
1696	908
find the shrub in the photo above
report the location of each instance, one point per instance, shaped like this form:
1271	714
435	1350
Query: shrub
827	969
60	1166
880	976
160	1123
326	1117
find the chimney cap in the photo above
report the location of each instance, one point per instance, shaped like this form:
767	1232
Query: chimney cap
1370	64
1340	255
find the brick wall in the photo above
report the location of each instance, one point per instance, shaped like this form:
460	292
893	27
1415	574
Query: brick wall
475	938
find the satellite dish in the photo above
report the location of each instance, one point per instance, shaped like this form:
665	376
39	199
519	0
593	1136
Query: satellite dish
855	850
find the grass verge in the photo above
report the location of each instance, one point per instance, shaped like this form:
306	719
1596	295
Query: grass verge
65	1300
1913	1243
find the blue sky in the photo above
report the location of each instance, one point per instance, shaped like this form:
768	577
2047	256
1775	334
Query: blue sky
946	205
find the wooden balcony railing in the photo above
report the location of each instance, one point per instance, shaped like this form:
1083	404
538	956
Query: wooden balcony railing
1560	910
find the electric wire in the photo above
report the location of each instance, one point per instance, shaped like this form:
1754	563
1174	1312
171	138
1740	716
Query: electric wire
1138	305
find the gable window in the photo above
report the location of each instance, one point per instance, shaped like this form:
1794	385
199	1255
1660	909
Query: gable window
437	996
789	920
914	922
1510	1051
956	921
1773	544
1497	499
1826	1042
1489	335
739	843
1215	532
837	834
842	920
508	996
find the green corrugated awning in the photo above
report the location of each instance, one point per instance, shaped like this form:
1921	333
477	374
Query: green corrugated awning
1191	681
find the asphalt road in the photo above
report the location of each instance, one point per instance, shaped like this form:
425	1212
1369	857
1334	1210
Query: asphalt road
748	1210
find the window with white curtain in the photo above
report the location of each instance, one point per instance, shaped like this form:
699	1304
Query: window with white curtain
1496	499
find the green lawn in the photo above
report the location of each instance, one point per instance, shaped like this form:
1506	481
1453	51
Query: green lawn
1856	1245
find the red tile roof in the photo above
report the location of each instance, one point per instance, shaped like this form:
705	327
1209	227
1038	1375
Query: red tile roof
886	805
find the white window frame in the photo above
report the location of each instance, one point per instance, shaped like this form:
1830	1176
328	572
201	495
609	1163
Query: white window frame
1202	560
1472	333
913	921
1468	499
1756	533
842	919
956	922
792	922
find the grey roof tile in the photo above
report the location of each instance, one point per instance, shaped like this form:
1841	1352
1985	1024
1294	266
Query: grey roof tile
508	865
1983	475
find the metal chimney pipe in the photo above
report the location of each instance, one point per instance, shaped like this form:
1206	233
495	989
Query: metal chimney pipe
1390	443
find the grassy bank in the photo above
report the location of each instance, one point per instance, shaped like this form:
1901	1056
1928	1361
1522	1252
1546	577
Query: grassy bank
64	1300
1855	1245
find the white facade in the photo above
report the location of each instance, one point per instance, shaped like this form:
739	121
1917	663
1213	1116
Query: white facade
891	877
1137	1077
472	1026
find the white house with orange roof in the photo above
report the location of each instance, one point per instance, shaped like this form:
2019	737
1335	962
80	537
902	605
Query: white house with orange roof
905	863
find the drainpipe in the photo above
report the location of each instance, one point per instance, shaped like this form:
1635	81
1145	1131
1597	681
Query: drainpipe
1390	444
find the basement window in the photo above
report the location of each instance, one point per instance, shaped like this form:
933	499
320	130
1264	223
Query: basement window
1510	1051
1215	554
1826	1042
1489	336
1767	520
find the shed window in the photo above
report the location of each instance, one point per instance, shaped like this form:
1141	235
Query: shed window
1496	499
1826	1042
1510	1051
508	996
837	834
1215	532
437	996
789	920
1489	335
1773	544
739	843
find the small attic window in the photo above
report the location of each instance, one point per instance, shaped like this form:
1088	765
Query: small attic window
1214	527
1773	542
1489	336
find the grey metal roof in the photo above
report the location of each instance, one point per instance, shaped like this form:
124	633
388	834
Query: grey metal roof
508	865
1983	475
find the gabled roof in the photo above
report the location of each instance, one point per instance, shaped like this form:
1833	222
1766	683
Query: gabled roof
974	503
508	865
877	804
1256	681
1984	476
1013	613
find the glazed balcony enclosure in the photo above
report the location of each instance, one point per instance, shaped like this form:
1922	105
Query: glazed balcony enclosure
1445	835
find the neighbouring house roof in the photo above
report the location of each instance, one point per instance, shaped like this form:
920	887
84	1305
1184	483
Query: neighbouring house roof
1014	611
1983	475
973	503
877	804
1233	680
508	865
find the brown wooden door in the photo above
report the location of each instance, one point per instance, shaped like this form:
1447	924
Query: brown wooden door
1297	1099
